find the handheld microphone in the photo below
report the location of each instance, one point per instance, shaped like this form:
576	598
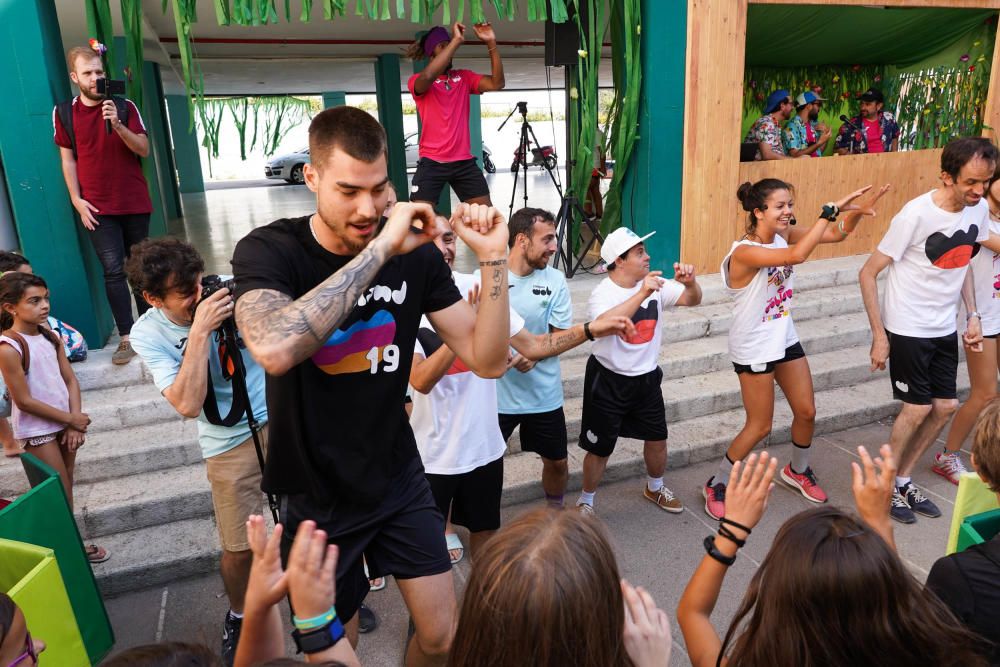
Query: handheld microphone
847	121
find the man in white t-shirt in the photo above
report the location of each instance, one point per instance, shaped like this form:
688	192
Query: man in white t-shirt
454	412
927	252
621	393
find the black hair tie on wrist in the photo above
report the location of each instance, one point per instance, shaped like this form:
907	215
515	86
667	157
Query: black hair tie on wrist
732	523
731	536
715	554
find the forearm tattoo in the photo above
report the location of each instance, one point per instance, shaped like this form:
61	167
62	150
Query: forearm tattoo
268	319
557	343
498	273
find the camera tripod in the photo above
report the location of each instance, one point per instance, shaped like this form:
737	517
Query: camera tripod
231	360
569	204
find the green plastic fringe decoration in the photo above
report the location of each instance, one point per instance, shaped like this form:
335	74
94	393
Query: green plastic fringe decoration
132	19
99	27
270	117
585	95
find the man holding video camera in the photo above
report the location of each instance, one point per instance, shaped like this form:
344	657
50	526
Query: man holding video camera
101	142
179	340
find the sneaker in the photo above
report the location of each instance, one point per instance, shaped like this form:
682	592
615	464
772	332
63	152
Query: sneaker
585	509
230	638
949	466
715	499
123	354
664	499
367	620
918	502
806	483
899	509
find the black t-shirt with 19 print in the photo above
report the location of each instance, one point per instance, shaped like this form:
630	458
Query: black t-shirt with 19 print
337	424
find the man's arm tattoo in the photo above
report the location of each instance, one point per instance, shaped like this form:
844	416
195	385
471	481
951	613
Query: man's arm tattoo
557	343
497	277
270	321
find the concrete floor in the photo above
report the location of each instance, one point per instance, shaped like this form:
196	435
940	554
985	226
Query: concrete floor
656	550
216	219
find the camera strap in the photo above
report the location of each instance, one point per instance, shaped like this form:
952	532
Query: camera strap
237	411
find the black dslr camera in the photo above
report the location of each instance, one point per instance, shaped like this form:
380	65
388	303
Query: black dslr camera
109	87
213	283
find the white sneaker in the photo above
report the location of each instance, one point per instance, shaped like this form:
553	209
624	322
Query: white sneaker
585	509
949	466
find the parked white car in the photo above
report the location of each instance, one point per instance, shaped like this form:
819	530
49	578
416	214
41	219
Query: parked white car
289	167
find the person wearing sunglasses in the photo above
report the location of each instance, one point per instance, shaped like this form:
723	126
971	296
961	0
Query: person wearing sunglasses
17	647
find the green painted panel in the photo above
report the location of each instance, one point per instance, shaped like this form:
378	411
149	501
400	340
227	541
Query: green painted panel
336	98
155	115
390	114
186	154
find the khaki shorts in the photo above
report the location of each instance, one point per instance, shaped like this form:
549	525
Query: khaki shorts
235	479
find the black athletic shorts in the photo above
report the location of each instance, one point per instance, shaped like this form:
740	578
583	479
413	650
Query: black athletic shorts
542	432
792	352
403	535
623	406
473	497
923	368
463	176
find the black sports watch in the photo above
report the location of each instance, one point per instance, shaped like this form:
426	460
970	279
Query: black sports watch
320	639
830	212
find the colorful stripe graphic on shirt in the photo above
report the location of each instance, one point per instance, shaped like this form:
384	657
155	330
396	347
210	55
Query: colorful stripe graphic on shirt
350	350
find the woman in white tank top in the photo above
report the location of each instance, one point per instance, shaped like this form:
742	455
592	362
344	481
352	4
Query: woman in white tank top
763	344
982	366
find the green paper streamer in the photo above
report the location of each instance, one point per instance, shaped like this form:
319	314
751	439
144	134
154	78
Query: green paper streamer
222	14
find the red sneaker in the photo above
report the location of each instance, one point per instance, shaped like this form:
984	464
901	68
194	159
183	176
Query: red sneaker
715	499
806	483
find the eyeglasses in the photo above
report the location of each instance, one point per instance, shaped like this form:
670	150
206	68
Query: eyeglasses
29	652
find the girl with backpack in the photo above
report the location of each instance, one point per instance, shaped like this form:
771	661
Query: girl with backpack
48	421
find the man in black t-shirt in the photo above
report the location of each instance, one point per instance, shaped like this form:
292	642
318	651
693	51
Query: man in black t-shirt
330	307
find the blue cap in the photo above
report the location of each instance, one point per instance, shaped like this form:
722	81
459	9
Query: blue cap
775	99
808	97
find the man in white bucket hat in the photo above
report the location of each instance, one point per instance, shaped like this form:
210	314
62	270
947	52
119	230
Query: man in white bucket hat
622	395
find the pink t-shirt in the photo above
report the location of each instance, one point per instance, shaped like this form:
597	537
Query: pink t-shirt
444	115
45	384
873	131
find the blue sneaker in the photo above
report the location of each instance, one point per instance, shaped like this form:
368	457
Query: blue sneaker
900	510
918	502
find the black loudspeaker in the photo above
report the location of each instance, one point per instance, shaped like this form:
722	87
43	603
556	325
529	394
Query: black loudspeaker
562	40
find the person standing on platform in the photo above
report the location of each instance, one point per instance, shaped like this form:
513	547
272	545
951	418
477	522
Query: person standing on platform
872	131
766	130
442	98
982	366
763	345
103	174
803	134
622	396
927	251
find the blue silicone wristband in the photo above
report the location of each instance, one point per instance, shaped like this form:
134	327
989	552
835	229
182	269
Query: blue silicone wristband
315	621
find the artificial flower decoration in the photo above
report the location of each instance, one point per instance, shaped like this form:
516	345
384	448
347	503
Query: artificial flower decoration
582	53
836	78
964	58
97	47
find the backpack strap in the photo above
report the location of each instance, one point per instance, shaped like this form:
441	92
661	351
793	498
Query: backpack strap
25	351
65	112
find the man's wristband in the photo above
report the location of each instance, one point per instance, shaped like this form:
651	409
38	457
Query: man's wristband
586	331
975	314
715	554
320	639
316	621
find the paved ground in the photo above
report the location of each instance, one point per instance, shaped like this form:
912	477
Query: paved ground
655	549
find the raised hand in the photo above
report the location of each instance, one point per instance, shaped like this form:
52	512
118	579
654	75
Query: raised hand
873	492
311	567
458	31
213	311
684	273
647	629
410	226
749	488
484	31
618	325
482	228
844	203
653	281
869	208
267	583
110	113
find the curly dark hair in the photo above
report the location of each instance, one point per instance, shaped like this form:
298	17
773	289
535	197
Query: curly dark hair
158	265
11	261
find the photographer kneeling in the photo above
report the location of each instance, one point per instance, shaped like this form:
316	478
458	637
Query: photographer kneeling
179	339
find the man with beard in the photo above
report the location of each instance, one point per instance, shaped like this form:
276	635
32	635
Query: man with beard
803	134
766	130
872	131
176	339
103	174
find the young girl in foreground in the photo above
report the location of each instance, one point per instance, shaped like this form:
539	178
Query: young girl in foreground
47	418
763	345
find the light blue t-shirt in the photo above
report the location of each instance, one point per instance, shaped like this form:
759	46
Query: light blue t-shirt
161	345
542	299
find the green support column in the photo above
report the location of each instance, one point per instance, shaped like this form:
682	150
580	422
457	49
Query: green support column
50	235
157	221
444	201
336	98
390	114
187	157
476	129
655	176
155	115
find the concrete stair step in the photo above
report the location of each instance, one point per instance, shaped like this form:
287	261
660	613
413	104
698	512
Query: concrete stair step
126	406
121	453
170	550
97	372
